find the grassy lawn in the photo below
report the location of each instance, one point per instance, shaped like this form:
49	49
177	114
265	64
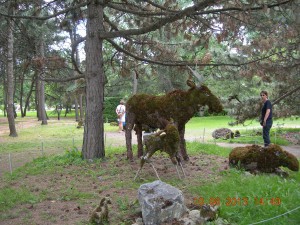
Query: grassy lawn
63	189
201	128
61	135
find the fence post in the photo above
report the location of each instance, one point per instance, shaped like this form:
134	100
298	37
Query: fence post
42	150
10	163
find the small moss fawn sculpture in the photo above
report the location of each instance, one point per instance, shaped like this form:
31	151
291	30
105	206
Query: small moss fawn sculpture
166	140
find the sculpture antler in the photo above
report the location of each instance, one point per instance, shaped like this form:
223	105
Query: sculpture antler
197	75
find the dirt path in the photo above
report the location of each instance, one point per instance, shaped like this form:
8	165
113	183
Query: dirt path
28	122
118	139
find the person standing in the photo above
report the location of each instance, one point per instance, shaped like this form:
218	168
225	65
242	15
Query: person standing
266	117
120	110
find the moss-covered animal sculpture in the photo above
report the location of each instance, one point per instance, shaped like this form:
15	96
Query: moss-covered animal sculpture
179	105
166	140
257	158
99	215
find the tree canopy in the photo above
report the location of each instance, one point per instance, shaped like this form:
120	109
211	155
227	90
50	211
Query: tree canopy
240	47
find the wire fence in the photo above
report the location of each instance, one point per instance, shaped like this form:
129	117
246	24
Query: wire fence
13	160
45	147
9	161
205	136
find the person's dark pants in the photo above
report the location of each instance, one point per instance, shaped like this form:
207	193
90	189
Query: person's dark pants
266	133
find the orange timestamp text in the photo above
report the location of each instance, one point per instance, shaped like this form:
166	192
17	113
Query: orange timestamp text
236	201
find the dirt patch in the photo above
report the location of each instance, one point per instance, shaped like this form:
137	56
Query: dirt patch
23	123
63	191
20	124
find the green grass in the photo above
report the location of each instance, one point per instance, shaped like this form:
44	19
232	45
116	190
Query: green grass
9	197
56	136
245	199
212	149
201	129
254	136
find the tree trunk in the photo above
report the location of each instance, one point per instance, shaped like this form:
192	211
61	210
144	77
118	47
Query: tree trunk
93	140
76	109
135	83
10	77
81	107
21	94
73	36
37	94
4	91
42	110
28	96
67	110
40	84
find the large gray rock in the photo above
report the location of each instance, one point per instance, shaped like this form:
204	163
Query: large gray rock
160	202
224	133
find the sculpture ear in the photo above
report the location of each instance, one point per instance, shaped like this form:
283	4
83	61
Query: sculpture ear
163	134
191	83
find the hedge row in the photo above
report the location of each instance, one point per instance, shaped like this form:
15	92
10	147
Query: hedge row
110	105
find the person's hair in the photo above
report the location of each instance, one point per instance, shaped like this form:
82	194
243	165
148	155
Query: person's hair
264	92
122	102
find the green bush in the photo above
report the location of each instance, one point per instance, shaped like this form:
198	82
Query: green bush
110	104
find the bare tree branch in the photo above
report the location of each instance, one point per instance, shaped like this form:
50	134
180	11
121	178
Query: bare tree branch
145	13
242	9
74	47
49	16
286	95
62	79
169	19
185	63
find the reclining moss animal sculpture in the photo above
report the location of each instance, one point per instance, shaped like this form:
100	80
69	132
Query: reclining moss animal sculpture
179	105
257	158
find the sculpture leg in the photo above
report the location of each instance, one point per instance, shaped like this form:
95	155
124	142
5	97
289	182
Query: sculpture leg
128	136
143	160
182	144
176	161
177	171
154	170
139	140
137	173
182	169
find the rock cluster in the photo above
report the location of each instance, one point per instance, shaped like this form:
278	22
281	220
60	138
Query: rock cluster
163	204
224	133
